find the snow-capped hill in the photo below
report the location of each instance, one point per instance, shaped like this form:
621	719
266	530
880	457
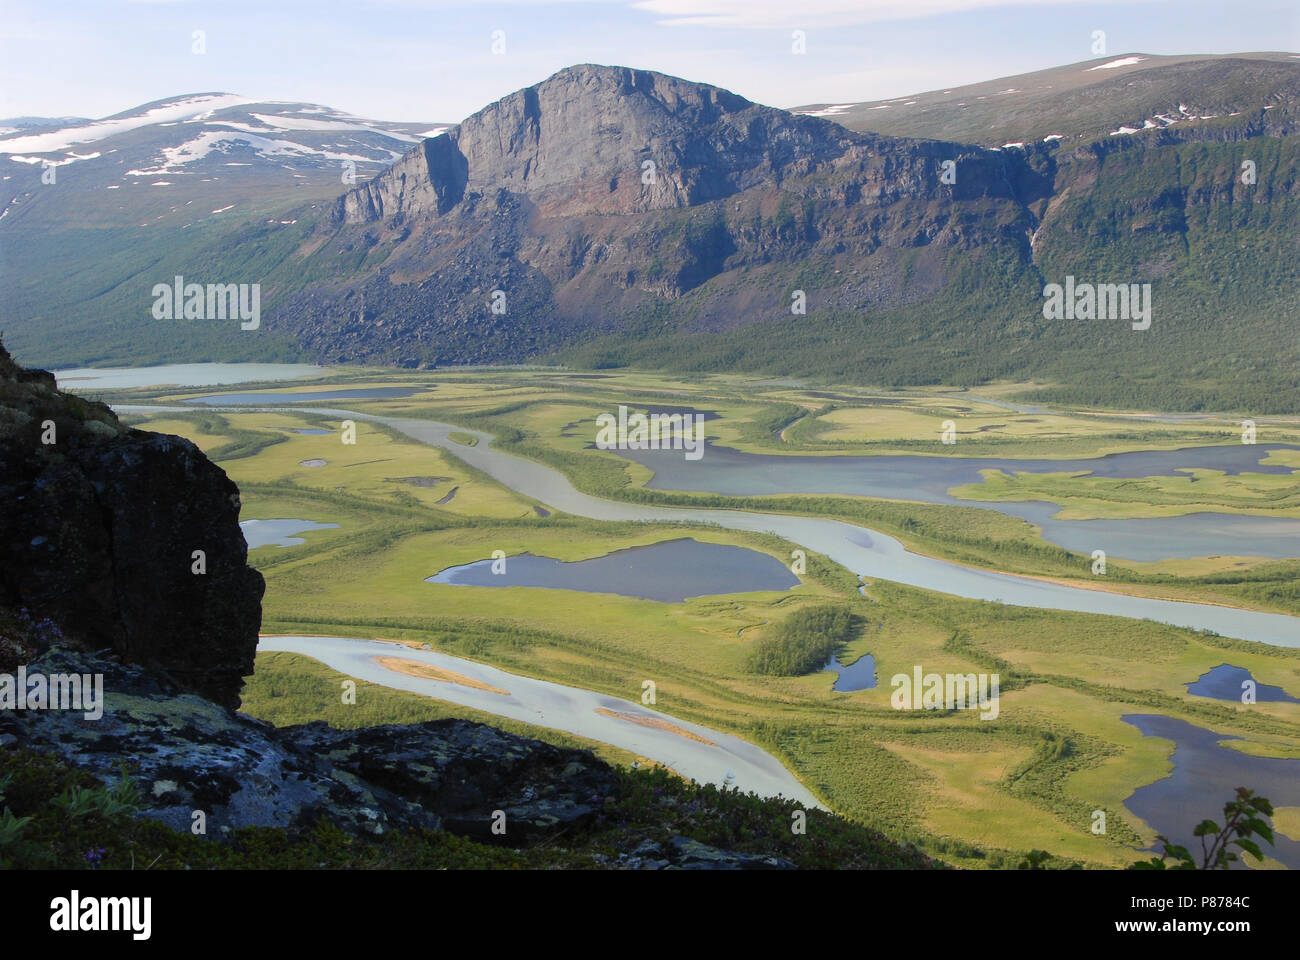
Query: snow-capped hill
1080	102
182	108
221	150
182	132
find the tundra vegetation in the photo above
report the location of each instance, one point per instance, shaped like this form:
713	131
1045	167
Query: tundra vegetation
969	793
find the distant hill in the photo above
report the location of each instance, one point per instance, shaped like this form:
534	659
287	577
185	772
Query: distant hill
18	124
208	146
1082	101
619	216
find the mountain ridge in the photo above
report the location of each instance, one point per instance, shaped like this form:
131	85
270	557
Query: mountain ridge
1088	100
543	204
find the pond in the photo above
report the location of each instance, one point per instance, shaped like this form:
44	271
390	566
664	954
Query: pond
1205	777
279	532
670	572
1224	683
858	675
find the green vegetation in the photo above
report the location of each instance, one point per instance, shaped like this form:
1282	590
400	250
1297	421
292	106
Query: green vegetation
974	794
802	642
530	421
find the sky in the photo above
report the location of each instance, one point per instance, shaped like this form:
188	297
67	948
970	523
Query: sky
441	60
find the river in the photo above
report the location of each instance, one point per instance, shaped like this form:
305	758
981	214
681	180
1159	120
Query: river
694	751
865	552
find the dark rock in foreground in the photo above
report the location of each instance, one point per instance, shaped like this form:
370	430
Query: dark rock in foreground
100	530
186	753
467	771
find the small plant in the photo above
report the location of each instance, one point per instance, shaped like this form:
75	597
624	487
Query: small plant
116	800
1034	860
1241	821
11	827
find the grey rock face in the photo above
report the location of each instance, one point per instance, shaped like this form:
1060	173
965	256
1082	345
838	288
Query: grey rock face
603	191
100	530
692	855
467	772
579	142
186	753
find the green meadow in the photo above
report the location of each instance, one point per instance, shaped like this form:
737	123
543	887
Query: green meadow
974	793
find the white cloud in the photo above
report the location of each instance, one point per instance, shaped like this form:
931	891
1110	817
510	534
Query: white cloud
782	13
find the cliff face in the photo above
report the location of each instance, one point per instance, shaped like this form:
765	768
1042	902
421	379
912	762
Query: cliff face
577	144
604	191
100	531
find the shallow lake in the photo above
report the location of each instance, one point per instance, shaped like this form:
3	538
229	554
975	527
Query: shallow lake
670	572
1224	683
279	532
180	375
1205	777
925	478
361	393
1162	538
733	472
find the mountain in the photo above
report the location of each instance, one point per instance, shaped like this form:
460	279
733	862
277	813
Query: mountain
614	216
1110	96
605	191
215	147
166	180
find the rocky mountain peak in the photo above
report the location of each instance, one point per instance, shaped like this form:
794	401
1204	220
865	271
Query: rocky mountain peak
600	139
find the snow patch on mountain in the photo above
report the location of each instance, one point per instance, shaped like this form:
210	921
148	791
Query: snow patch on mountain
300	123
824	111
223	141
182	109
1122	62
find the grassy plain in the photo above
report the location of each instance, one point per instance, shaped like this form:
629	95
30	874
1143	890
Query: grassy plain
973	793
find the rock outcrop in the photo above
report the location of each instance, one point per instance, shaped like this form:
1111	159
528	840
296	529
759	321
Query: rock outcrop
125	539
187	754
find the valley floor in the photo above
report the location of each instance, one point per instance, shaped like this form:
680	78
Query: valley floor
1065	752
